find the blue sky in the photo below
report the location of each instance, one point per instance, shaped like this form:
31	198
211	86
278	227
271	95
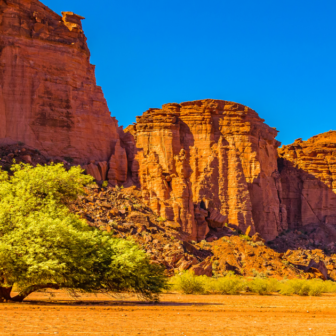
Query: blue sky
277	57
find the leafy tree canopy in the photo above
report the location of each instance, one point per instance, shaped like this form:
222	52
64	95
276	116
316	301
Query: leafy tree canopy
44	245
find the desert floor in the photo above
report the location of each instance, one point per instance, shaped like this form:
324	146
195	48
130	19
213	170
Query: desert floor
43	314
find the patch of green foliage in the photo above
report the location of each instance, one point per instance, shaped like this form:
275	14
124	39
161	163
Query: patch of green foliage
231	284
263	286
44	245
188	283
105	184
245	237
313	287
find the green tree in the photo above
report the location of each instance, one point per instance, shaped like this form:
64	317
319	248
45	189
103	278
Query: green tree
44	245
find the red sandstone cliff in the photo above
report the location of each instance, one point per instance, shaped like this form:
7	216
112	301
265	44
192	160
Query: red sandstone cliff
208	162
48	94
308	178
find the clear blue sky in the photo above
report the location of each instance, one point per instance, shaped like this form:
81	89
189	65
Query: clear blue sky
277	57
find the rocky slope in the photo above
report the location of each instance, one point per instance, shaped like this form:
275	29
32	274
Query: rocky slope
123	212
49	99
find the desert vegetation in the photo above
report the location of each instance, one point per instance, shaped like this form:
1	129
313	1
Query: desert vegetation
231	284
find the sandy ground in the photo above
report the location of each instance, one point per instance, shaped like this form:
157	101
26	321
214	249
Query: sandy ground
175	315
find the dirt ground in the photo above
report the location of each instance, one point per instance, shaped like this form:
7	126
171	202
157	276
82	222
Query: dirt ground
43	314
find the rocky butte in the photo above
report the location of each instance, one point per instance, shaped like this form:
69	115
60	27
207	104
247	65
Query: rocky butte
200	165
205	163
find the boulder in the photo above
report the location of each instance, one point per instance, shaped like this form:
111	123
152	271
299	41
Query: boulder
216	219
317	267
203	268
257	238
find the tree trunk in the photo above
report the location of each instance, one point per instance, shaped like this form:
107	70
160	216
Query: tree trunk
5	293
31	289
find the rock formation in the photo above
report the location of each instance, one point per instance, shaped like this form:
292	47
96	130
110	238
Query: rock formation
201	165
49	99
308	179
206	163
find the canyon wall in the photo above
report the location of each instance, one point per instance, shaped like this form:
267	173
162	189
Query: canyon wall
308	178
205	163
49	99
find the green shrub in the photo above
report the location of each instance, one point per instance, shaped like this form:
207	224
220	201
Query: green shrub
329	287
263	286
188	283
245	237
313	287
230	285
105	184
316	288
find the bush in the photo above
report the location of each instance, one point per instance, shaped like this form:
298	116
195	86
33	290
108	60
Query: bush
306	287
263	286
230	285
329	287
44	245
188	283
105	184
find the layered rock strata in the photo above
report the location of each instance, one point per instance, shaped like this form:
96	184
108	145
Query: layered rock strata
49	99
206	163
308	178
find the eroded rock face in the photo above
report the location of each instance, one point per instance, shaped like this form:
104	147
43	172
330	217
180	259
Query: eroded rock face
49	99
209	162
308	178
